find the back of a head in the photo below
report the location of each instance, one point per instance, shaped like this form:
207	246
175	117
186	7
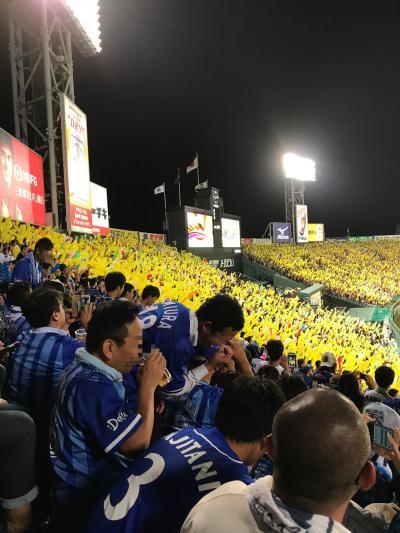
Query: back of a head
114	280
292	386
348	385
44	244
18	293
247	409
109	321
222	311
384	376
54	285
268	372
40	305
128	287
150	290
274	350
321	444
222	379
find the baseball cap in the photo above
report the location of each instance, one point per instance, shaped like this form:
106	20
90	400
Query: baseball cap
383	414
328	359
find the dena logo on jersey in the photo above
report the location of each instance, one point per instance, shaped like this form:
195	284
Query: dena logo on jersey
113	423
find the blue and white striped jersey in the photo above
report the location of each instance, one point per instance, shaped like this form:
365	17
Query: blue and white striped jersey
15	324
28	270
92	421
36	369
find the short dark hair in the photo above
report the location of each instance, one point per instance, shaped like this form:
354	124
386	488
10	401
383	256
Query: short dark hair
109	321
18	293
44	244
150	290
23	246
274	350
53	285
247	408
292	386
222	311
268	372
384	376
39	306
113	280
322	469
128	288
222	379
92	282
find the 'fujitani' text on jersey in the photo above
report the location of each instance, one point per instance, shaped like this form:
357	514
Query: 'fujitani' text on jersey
157	492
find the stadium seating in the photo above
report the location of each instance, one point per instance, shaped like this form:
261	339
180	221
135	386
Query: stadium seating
181	276
366	271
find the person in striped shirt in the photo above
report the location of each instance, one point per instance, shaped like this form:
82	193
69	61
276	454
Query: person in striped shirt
36	367
44	353
98	426
15	321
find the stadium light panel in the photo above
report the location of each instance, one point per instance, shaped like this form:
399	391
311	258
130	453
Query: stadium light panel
298	168
86	15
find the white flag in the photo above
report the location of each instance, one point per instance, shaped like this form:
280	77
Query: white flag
193	165
160	189
202	185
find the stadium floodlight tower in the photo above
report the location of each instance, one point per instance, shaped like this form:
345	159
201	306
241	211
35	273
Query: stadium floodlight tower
297	171
42	33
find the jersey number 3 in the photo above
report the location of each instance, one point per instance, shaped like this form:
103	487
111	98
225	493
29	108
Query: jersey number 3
119	511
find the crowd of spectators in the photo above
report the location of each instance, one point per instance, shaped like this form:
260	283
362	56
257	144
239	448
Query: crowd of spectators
366	271
146	391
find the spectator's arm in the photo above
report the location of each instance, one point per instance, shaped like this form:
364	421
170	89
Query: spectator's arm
240	357
153	371
190	379
369	380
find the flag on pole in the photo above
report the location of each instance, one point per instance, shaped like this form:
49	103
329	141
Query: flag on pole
202	185
193	165
160	189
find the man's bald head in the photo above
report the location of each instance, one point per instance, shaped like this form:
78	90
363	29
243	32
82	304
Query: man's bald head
320	445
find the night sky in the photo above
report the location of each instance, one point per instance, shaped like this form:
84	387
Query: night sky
242	82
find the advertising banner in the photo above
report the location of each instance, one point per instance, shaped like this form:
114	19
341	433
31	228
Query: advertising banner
100	221
76	167
316	232
199	230
281	232
301	223
230	233
21	182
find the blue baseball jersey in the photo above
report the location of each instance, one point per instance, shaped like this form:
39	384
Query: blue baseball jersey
166	326
196	409
36	369
92	420
15	324
103	298
157	492
28	270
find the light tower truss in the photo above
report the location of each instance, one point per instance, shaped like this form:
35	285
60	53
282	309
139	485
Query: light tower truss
41	36
294	195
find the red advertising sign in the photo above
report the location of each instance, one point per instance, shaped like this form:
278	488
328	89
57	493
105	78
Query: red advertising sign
21	181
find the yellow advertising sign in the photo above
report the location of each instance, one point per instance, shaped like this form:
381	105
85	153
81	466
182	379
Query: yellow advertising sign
316	233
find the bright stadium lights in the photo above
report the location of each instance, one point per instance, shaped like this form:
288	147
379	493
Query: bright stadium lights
85	14
298	168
